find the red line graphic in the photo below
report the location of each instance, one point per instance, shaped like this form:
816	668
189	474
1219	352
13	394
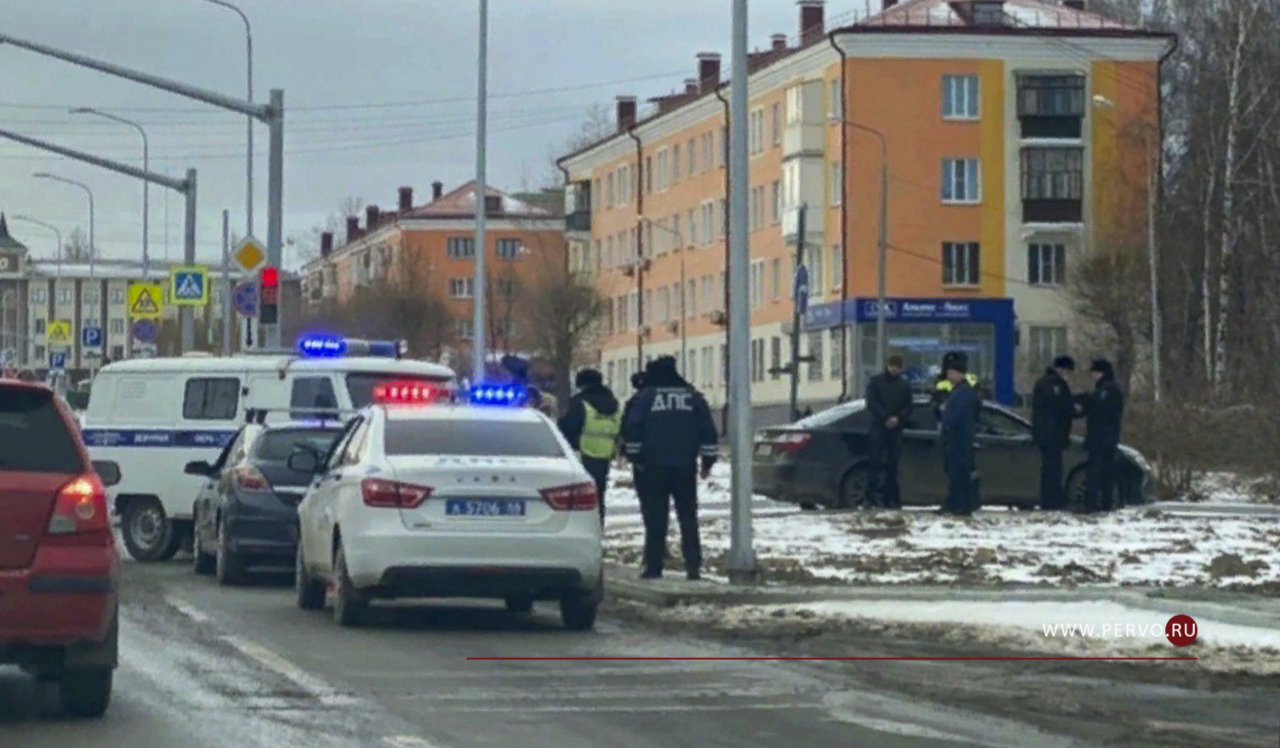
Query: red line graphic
835	659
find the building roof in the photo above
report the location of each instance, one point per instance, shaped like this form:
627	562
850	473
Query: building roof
461	203
6	239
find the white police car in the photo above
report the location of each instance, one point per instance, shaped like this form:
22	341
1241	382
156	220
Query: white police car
154	416
428	497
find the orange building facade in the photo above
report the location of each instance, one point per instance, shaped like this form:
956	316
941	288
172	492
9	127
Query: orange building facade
431	250
1016	136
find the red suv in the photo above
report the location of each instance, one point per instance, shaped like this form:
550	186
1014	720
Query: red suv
59	567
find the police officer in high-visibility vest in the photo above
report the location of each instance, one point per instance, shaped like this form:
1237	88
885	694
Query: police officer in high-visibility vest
942	390
591	425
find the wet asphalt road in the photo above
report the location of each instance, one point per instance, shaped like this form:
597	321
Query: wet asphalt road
211	667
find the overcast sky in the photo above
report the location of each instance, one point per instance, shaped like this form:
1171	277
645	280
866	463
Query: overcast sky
378	93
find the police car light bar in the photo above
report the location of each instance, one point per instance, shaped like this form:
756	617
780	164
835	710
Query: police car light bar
336	346
407	393
497	394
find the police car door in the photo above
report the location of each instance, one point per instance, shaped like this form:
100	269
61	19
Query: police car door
316	513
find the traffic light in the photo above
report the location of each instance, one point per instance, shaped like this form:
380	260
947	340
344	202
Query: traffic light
269	295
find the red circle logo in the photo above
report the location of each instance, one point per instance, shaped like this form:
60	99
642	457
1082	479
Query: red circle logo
1181	630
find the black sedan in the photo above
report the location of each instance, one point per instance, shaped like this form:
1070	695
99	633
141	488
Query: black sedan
823	460
246	515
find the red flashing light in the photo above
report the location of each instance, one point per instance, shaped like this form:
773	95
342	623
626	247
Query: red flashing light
405	393
578	497
270	277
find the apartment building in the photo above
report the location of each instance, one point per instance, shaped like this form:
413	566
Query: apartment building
1012	135
36	294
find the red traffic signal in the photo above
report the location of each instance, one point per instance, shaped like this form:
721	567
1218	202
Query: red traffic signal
270	277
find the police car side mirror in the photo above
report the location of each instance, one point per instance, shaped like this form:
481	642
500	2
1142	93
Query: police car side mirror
304	462
198	467
108	472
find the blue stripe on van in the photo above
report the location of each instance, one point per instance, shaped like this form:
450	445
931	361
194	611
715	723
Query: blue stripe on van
157	438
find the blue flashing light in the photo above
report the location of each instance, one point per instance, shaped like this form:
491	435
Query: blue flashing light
336	346
322	346
498	395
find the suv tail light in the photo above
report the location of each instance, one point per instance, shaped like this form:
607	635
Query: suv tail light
249	478
81	506
789	444
577	497
392	494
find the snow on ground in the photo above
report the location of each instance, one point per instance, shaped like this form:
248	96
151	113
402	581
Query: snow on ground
1130	547
1229	488
1011	626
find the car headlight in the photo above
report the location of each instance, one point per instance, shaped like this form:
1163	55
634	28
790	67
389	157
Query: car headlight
1137	458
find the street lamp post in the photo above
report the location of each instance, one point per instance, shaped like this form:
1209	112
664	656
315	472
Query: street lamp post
146	186
248	35
481	195
89	192
56	232
882	271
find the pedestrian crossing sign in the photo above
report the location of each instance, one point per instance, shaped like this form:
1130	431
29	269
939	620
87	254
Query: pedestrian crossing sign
146	301
59	332
188	286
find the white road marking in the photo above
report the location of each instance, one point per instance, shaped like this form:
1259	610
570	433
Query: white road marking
627	708
187	609
279	665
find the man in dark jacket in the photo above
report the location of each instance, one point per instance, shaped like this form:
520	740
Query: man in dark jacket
666	432
1052	410
959	426
591	425
1104	412
890	402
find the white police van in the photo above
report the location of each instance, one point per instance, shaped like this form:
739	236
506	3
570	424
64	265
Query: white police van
153	416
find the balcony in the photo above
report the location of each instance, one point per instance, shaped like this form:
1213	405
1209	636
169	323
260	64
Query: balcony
578	222
577	201
804	139
1051	106
1052	211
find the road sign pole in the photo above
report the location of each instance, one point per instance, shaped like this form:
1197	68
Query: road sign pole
269	335
185	317
228	314
797	311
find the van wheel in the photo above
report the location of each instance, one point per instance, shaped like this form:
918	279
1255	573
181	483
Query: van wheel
85	693
148	534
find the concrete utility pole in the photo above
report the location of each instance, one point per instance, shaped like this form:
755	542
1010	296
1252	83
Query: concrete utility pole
481	193
272	114
795	312
93	249
228	310
146	186
742	558
186	186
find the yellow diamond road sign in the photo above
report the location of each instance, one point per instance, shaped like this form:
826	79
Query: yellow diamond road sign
146	300
59	332
249	255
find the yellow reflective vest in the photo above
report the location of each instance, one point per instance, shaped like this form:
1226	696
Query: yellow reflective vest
944	385
599	437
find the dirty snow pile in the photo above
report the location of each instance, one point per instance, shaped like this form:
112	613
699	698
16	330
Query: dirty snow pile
1129	547
1062	629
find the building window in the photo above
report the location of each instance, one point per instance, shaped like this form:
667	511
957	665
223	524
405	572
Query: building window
64	295
461	288
777	124
834	369
757	208
675	163
647	313
960	263
757	132
1051	106
461	247
648	174
775	357
708	145
691	366
664	176
708	221
1046	264
795	105
837	106
211	399
757	360
610	197
1052	173
40	353
960	182
837	267
816	272
708	294
775	202
117	296
90	297
708	366
38	296
960	97
1045	344
40	328
815	353
506	287
117	327
777	279
508	248
837	179
757	284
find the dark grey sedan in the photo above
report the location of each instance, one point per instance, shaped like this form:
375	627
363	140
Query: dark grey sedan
822	460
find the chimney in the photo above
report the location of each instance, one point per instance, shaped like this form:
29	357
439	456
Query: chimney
708	71
626	113
811	21
437	190
690	86
371	215
406	200
353	228
326	244
779	42
1074	4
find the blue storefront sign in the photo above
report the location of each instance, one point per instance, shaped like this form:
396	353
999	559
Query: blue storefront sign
995	312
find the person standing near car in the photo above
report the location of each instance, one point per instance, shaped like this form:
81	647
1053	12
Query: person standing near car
665	435
890	402
591	425
1053	408
1104	412
959	426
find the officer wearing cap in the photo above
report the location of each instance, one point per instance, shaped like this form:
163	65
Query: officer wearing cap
1104	413
959	426
1053	408
591	425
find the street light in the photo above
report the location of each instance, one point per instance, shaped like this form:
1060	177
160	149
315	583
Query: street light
881	340
684	352
146	186
481	196
1152	164
89	192
248	35
51	227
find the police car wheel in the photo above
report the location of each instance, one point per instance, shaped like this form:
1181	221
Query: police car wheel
349	607
201	561
578	612
228	566
310	592
147	532
855	489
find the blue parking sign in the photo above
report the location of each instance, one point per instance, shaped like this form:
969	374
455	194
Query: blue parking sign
58	360
91	337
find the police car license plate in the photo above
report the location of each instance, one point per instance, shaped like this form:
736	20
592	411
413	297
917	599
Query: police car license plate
484	508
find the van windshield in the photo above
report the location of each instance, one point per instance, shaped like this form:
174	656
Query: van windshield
360	384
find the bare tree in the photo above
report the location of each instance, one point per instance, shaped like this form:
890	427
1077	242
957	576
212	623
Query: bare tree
308	242
561	311
76	248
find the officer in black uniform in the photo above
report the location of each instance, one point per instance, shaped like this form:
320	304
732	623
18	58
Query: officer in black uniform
959	426
1053	408
1104	412
664	434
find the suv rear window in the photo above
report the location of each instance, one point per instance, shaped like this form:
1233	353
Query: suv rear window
360	385
472	438
277	445
33	436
